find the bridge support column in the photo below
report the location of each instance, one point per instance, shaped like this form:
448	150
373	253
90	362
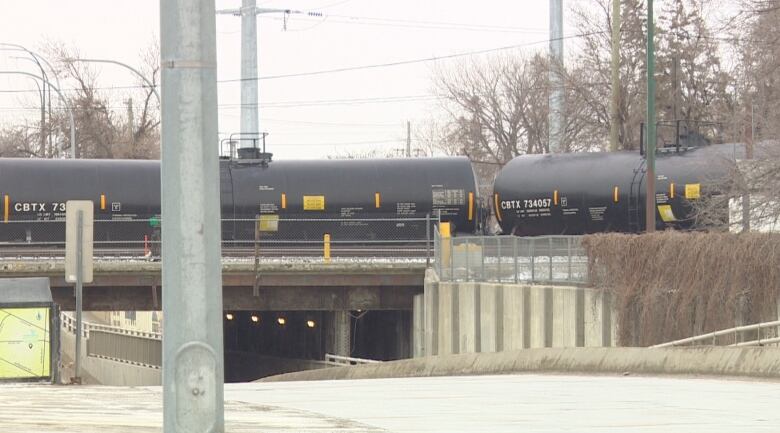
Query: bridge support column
418	326
338	339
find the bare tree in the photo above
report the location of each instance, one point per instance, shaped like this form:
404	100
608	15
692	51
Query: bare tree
102	129
19	141
593	20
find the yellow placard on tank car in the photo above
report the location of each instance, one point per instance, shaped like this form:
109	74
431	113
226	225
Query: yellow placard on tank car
692	191
314	202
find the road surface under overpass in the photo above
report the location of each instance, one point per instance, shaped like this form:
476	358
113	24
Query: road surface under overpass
506	403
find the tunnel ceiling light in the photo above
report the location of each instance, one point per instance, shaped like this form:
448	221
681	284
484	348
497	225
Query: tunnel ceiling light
255	318
229	316
281	321
311	323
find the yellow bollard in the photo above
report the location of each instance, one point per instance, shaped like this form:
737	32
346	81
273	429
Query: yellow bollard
326	248
444	232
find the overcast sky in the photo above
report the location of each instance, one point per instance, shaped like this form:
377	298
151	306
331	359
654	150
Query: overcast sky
308	116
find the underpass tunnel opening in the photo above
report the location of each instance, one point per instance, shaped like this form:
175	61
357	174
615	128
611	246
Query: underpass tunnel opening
263	343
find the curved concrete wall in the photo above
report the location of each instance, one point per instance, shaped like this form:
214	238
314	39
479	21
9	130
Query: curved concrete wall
714	361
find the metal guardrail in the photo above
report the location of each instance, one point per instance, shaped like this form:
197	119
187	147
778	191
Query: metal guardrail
712	336
346	360
119	344
296	236
511	259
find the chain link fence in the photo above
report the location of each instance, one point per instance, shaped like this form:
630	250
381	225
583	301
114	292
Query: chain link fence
511	259
293	235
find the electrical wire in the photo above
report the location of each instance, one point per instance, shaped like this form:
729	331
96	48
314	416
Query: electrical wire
405	62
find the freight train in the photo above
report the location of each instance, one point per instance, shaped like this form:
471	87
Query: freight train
349	199
579	193
373	199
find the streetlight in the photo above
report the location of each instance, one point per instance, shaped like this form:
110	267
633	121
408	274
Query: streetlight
37	58
132	69
73	146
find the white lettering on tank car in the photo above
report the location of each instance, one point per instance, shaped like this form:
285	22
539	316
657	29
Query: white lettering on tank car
29	207
538	203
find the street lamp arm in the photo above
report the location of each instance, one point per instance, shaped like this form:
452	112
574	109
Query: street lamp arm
64	101
38	59
132	69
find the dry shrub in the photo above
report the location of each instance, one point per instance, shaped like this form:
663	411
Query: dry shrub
672	285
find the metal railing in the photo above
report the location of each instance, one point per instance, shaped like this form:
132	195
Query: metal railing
118	344
711	337
293	235
346	360
511	259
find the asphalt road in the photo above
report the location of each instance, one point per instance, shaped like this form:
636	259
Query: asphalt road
511	403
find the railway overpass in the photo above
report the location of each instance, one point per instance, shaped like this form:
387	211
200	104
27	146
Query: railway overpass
295	285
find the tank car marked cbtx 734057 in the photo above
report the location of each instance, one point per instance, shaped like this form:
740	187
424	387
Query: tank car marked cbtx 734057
348	194
579	193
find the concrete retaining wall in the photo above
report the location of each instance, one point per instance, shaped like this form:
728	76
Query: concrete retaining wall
468	317
710	361
100	371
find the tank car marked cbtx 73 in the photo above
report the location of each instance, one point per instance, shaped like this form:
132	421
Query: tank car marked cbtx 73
579	193
347	194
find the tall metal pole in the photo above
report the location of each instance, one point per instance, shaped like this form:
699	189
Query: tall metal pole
614	123
556	114
651	133
193	373
79	291
249	109
250	116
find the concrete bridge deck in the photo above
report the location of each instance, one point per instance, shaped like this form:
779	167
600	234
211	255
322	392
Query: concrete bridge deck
284	285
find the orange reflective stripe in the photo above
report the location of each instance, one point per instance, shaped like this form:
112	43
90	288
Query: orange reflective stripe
377	200
616	194
671	190
6	207
555	197
102	202
471	206
498	209
284	201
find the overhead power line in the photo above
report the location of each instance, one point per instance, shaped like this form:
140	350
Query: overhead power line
415	24
349	68
406	62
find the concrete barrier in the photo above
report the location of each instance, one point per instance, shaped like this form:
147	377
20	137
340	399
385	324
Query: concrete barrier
100	371
763	362
469	317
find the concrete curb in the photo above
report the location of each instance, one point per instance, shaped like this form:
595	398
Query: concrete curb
763	362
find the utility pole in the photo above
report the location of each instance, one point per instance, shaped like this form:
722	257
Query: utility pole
748	167
556	116
130	123
614	124
193	366
250	117
651	132
248	12
408	139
